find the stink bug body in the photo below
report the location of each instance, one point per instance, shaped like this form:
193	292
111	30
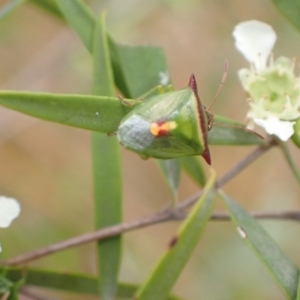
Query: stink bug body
170	125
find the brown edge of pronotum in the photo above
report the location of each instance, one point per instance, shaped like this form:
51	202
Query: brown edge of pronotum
193	86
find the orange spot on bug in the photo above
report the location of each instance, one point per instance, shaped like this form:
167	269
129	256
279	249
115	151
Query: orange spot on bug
162	128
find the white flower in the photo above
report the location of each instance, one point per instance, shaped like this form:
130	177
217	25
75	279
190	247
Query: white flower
272	125
255	40
272	85
9	210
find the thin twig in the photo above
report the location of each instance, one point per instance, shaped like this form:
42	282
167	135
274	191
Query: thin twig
89	237
164	216
118	229
289	215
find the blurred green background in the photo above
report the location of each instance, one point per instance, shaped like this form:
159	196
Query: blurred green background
47	167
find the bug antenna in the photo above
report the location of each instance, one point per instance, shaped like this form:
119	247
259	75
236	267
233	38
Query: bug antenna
221	84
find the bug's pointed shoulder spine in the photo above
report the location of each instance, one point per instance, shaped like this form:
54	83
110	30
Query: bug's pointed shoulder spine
206	155
192	84
201	115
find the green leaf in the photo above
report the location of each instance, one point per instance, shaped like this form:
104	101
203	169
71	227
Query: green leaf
101	113
194	168
103	82
290	160
106	172
48	5
166	272
170	169
298	290
5	285
284	272
8	288
13	294
296	136
108	210
98	113
290	9
226	135
75	283
9	7
137	68
80	18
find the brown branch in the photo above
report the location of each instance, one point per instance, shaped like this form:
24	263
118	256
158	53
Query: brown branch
289	215
89	237
167	215
118	229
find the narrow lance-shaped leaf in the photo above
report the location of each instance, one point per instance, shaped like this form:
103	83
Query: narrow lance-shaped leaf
5	285
281	268
106	161
194	168
296	136
170	169
136	68
290	9
13	294
97	113
167	270
100	113
75	283
290	160
48	5
106	172
8	287
230	132
298	290
80	18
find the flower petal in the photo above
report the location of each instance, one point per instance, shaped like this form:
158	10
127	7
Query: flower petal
9	210
282	129
255	40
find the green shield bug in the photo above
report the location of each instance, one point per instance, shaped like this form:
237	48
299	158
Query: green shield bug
169	125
